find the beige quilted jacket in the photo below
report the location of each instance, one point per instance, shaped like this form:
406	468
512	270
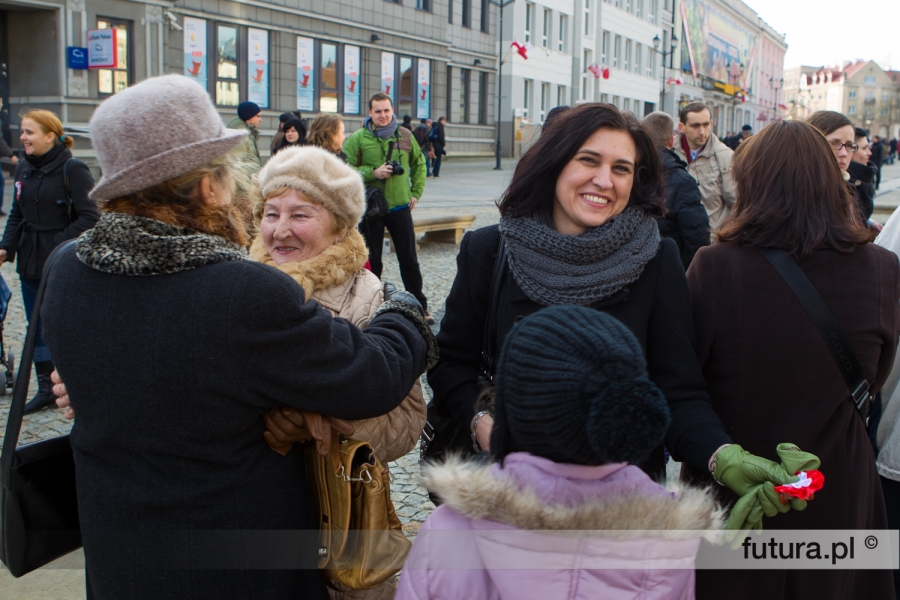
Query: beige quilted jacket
337	280
712	170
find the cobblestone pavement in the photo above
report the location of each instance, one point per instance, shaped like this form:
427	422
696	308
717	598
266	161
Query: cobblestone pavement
465	187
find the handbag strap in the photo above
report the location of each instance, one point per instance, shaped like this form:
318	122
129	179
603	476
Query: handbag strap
69	200
824	321
489	343
23	377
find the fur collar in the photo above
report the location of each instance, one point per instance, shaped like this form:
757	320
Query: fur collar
474	491
335	266
123	244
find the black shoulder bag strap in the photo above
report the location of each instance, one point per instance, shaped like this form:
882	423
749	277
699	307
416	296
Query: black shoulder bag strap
828	327
68	201
489	344
20	393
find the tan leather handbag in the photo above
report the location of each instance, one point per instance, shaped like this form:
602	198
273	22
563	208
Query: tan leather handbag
361	541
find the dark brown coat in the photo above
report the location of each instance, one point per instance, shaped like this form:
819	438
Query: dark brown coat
772	380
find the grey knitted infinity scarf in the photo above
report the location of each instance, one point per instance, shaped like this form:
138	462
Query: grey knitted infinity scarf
554	269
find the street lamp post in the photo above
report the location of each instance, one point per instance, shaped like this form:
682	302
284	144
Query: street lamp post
734	77
501	5
673	43
776	88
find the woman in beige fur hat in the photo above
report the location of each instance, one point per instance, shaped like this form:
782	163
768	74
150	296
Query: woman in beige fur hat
311	204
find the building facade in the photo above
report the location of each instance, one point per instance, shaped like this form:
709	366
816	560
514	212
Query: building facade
867	94
435	58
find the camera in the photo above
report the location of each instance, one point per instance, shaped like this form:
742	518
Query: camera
396	168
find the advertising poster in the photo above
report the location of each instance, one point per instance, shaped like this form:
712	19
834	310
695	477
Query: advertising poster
258	59
195	50
101	48
423	90
387	74
351	80
716	45
306	74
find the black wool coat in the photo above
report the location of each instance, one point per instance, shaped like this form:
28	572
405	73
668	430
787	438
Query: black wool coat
862	181
656	308
686	221
170	377
40	218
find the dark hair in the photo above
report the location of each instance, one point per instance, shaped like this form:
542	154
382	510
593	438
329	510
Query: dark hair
533	184
828	121
407	119
659	126
378	97
693	107
285	117
859	132
791	193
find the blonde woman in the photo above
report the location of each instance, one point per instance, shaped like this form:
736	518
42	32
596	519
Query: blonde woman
46	211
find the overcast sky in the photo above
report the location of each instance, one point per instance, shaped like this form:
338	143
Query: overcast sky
823	32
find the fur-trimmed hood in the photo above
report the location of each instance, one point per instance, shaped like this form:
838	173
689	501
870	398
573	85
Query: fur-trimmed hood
632	510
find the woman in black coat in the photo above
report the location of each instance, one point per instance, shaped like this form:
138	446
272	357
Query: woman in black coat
46	211
578	228
862	176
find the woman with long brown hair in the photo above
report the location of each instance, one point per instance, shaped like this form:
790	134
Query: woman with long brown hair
327	131
768	371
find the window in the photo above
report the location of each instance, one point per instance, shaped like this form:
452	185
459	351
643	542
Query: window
651	62
545	100
529	20
526	101
639	9
118	78
545	35
467	13
604	48
852	110
449	17
627	64
617	47
483	98
406	77
853	94
628	5
585	80
870	79
449	94
638	58
627	105
563	29
885	96
228	88
587	17
464	77
328	94
485	16
561	98
604	98
423	5
870	96
884	111
615	101
651	13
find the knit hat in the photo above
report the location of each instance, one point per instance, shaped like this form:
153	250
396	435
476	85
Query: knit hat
248	110
321	176
175	128
571	386
746	128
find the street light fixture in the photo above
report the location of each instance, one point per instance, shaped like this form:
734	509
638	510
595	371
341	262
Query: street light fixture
501	4
673	41
776	88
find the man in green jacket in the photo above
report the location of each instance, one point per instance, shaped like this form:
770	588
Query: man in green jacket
370	150
249	118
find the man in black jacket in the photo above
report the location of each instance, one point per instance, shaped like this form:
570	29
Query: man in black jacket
686	220
877	158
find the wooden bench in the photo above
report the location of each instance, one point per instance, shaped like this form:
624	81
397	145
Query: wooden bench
444	228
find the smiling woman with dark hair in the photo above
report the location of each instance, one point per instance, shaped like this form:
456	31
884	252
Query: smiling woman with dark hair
577	227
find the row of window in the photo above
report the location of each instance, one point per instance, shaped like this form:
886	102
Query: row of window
562	99
885	111
640	108
630	57
642	9
870	96
549	38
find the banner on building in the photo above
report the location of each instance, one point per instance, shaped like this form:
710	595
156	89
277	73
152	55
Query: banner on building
387	74
258	64
716	45
101	48
423	90
306	74
195	50
351	80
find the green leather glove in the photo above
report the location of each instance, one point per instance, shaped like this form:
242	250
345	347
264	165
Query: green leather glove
792	460
742	471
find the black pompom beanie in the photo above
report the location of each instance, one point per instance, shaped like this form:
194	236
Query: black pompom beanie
571	386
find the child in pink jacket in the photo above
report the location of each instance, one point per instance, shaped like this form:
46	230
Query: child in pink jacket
561	513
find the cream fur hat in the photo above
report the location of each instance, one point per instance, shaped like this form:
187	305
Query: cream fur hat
154	131
321	176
